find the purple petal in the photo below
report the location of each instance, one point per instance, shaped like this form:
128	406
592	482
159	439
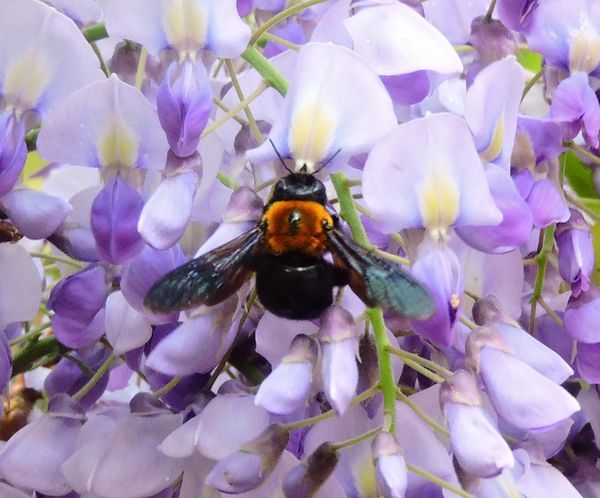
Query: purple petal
141	273
40	41
477	445
581	317
323	112
113	125
286	388
575	253
512	12
454	19
126	329
184	102
575	104
33	457
515	227
13	151
237	473
545	136
37	215
291	31
126	459
115	215
20	285
439	270
521	395
340	372
588	362
493	121
5	362
440	185
160	224
81	11
221	430
547	204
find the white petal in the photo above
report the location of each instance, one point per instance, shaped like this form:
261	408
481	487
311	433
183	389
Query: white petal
126	328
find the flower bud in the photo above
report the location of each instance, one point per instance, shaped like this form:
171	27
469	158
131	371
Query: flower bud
476	444
305	480
582	315
492	40
285	389
13	151
575	252
248	467
338	336
184	102
390	466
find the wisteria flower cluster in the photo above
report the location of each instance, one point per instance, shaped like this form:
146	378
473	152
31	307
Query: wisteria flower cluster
459	140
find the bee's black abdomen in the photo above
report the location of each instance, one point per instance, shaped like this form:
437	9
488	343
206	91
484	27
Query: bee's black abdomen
297	292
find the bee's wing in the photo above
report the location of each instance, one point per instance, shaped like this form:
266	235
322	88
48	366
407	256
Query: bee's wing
378	281
207	279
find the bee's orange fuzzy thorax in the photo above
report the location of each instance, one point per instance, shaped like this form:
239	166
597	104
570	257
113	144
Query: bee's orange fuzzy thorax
296	226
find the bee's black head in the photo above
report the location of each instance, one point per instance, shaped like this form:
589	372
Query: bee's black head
299	187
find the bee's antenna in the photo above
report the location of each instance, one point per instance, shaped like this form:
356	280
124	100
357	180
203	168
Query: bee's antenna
327	161
279	156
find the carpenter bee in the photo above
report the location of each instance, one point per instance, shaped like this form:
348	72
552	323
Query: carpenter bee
286	252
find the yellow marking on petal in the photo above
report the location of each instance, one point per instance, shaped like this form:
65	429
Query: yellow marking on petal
364	472
185	23
584	52
494	149
25	81
454	301
311	134
118	147
439	202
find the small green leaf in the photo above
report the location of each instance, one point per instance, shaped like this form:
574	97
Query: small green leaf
529	60
596	242
579	175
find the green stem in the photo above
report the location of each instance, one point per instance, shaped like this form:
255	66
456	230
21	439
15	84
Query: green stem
167	387
57	259
280	41
284	14
331	413
393	257
240	94
386	374
141	68
421	414
579	149
357	439
420	368
533	80
103	65
95	378
219	103
95	32
32	334
30	354
550	311
437	480
31	138
259	62
465	321
225	180
228	115
547	244
415	358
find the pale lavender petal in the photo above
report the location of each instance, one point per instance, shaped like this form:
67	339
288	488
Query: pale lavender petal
227	34
542	479
521	395
115	214
516	225
131	463
113	125
36	214
477	445
432	165
493	121
331	28
453	19
588	362
184	102
547	204
160	224
545	136
20	285
180	443
126	328
286	388
322	113
274	335
5	362
512	12
533	352
81	11
221	430
13	151
575	252
291	31
9	492
421	47
33	456
390	466
340	372
581	317
44	57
